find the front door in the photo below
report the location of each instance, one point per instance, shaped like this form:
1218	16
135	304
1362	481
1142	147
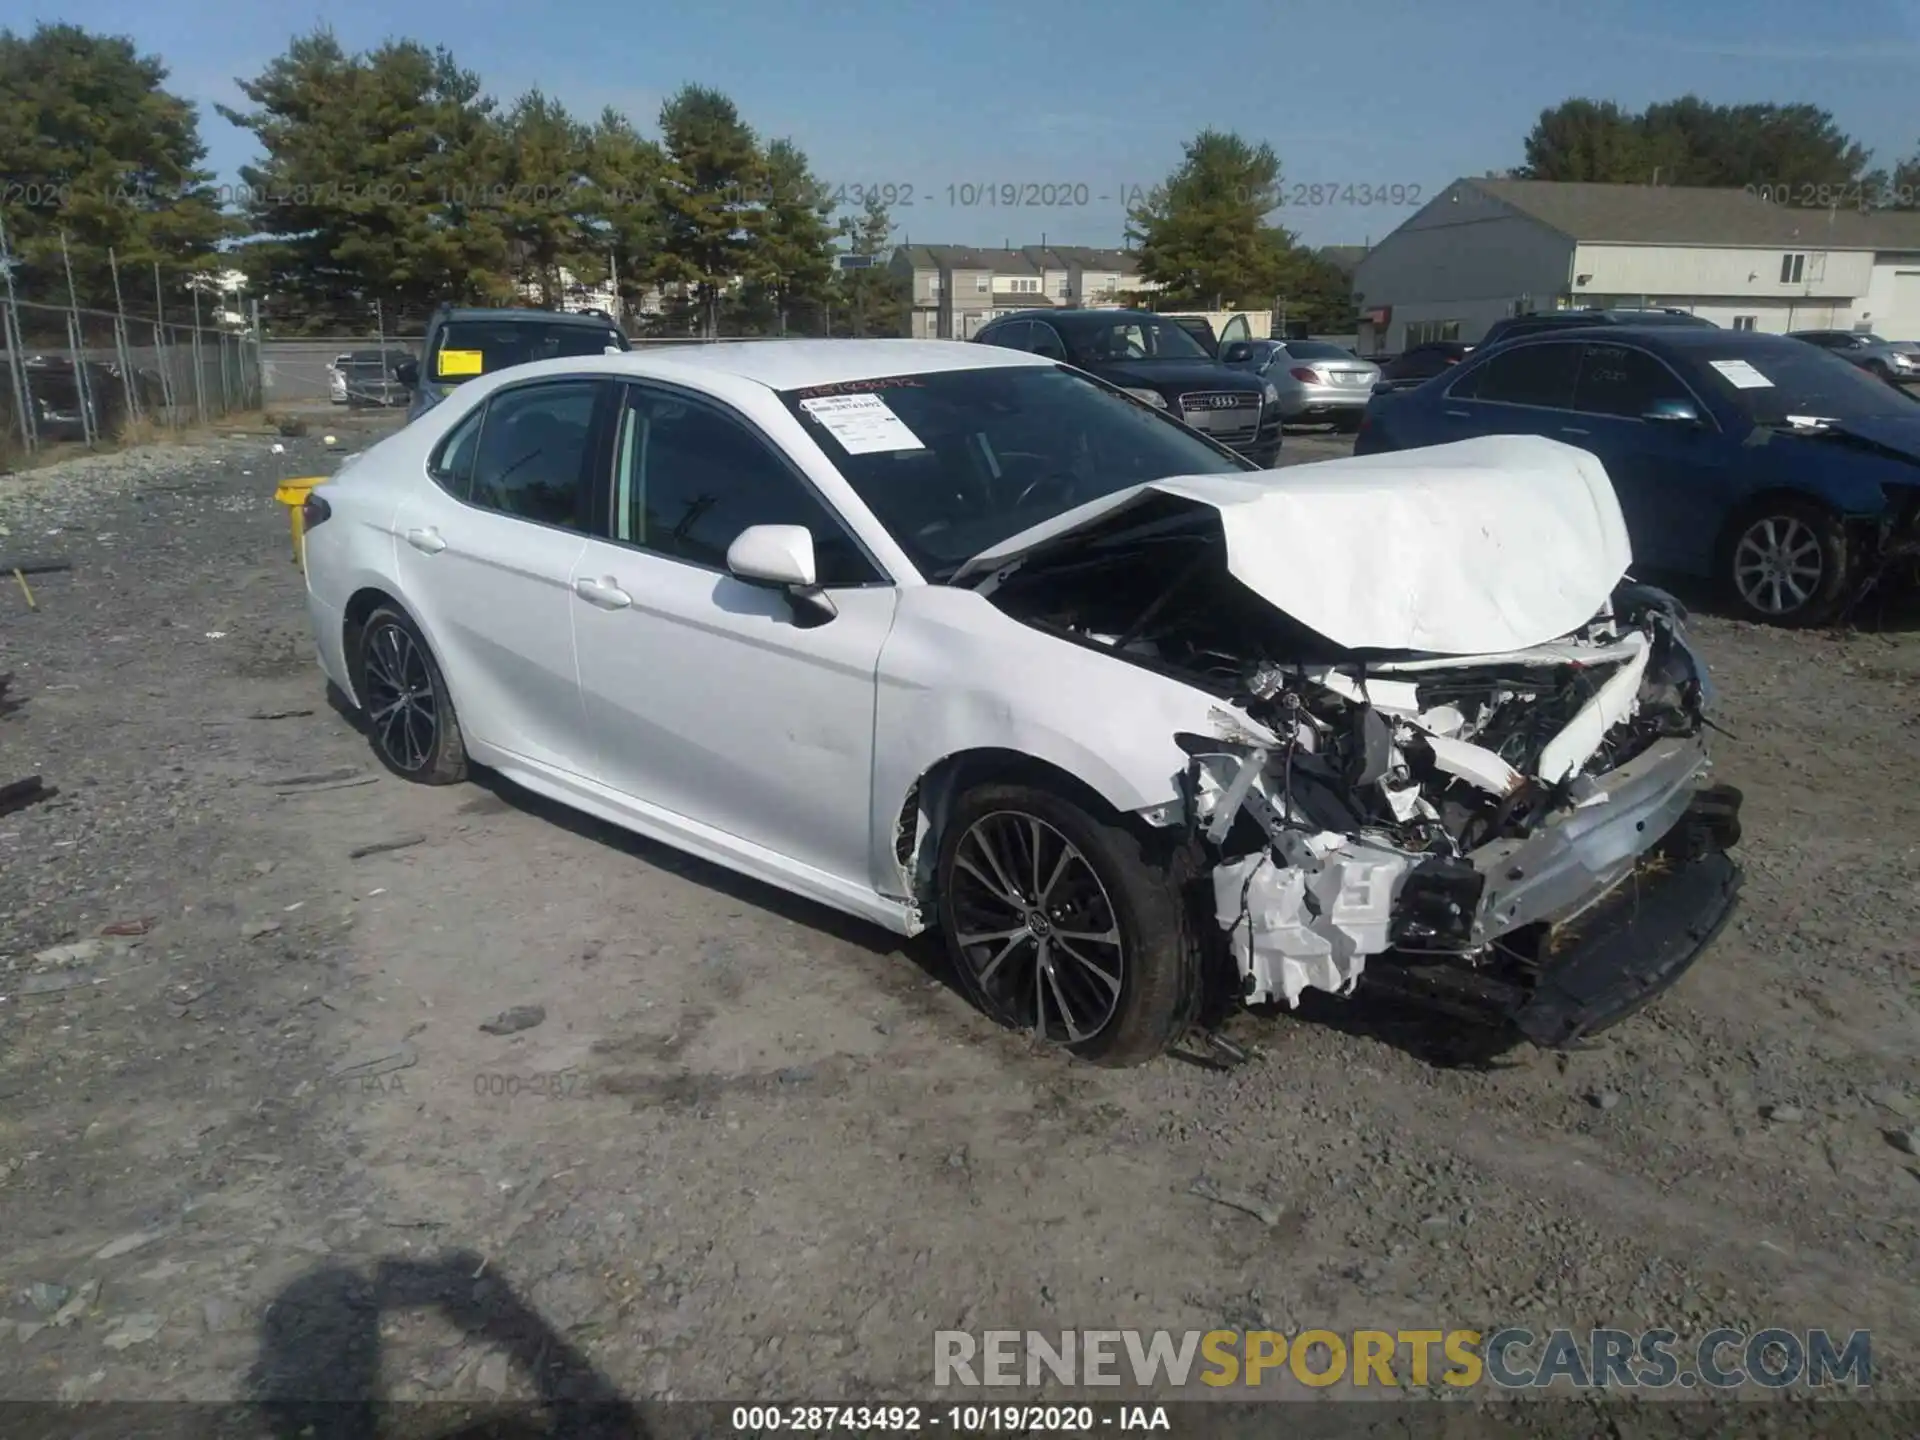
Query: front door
708	697
486	560
1672	486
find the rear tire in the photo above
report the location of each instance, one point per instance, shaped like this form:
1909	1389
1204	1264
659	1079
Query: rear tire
410	719
1784	562
1059	922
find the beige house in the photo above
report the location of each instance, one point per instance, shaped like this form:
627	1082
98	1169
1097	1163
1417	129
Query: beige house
956	289
1485	249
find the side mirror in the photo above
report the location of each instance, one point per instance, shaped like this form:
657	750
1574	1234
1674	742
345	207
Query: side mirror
1672	412
1238	353
781	556
407	372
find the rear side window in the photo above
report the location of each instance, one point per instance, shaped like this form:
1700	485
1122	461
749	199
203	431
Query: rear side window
533	452
452	464
1540	375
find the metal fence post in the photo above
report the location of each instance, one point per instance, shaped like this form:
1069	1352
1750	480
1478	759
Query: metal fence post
258	395
76	343
16	342
162	359
199	384
77	352
122	346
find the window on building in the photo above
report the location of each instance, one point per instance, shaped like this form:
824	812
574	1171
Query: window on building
933	286
1744	322
1424	332
1793	269
983	283
1065	289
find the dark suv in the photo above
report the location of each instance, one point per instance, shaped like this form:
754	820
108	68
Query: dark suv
1154	359
1517	325
461	344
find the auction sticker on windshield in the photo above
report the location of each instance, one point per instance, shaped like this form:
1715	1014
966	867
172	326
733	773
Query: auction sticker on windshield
863	424
1742	375
461	362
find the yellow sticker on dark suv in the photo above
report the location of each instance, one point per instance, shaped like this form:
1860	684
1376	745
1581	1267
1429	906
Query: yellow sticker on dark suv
461	362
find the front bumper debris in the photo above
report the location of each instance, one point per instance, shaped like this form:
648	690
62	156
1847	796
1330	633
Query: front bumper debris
1574	980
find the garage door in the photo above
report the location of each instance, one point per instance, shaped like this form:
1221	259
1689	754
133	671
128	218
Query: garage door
1902	320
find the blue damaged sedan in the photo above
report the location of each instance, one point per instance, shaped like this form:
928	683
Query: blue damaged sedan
1781	473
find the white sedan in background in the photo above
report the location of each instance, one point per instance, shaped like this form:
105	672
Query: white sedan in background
957	637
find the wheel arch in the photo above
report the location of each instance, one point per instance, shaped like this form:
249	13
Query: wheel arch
1751	505
353	619
920	820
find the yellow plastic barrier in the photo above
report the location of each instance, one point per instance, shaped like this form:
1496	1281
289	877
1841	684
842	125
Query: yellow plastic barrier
293	495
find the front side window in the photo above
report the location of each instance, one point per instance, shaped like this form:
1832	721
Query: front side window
1621	381
688	478
955	462
1539	375
531	460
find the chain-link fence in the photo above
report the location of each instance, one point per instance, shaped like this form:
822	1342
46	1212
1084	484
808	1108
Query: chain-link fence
93	375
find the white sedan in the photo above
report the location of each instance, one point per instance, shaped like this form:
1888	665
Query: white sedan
957	637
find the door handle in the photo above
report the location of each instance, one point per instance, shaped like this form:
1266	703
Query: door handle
604	593
1573	430
1459	415
427	541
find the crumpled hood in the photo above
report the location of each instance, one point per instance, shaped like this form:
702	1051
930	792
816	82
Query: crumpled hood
1484	546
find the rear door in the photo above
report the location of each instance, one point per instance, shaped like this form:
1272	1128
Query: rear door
486	558
1671	478
1525	388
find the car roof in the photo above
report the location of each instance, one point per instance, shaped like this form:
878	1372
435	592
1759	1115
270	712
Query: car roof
1691	337
1082	316
795	364
521	313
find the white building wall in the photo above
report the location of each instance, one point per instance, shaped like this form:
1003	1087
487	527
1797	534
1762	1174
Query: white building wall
1732	272
1463	256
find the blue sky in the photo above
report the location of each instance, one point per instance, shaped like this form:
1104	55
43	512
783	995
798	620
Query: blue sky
1075	93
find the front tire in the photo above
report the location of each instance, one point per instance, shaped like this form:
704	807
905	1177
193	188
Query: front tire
1059	923
1784	563
410	718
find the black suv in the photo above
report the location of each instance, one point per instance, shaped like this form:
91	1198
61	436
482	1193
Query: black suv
1154	359
461	344
1577	319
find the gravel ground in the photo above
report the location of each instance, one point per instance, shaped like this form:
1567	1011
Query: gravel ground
254	1137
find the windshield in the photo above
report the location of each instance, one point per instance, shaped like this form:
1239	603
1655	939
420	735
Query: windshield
1131	337
955	462
1780	381
473	347
1318	350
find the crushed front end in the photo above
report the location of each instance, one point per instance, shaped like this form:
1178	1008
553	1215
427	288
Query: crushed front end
1529	837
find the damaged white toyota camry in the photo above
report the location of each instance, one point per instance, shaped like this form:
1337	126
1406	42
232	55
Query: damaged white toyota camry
952	636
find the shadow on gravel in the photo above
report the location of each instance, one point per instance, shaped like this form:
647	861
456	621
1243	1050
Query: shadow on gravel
1442	1041
317	1376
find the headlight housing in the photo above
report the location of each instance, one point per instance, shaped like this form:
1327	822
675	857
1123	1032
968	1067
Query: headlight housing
1149	397
1270	393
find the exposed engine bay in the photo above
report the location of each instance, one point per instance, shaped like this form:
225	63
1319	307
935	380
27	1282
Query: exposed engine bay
1455	812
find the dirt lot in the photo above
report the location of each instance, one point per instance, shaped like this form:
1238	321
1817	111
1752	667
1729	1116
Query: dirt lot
754	1150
